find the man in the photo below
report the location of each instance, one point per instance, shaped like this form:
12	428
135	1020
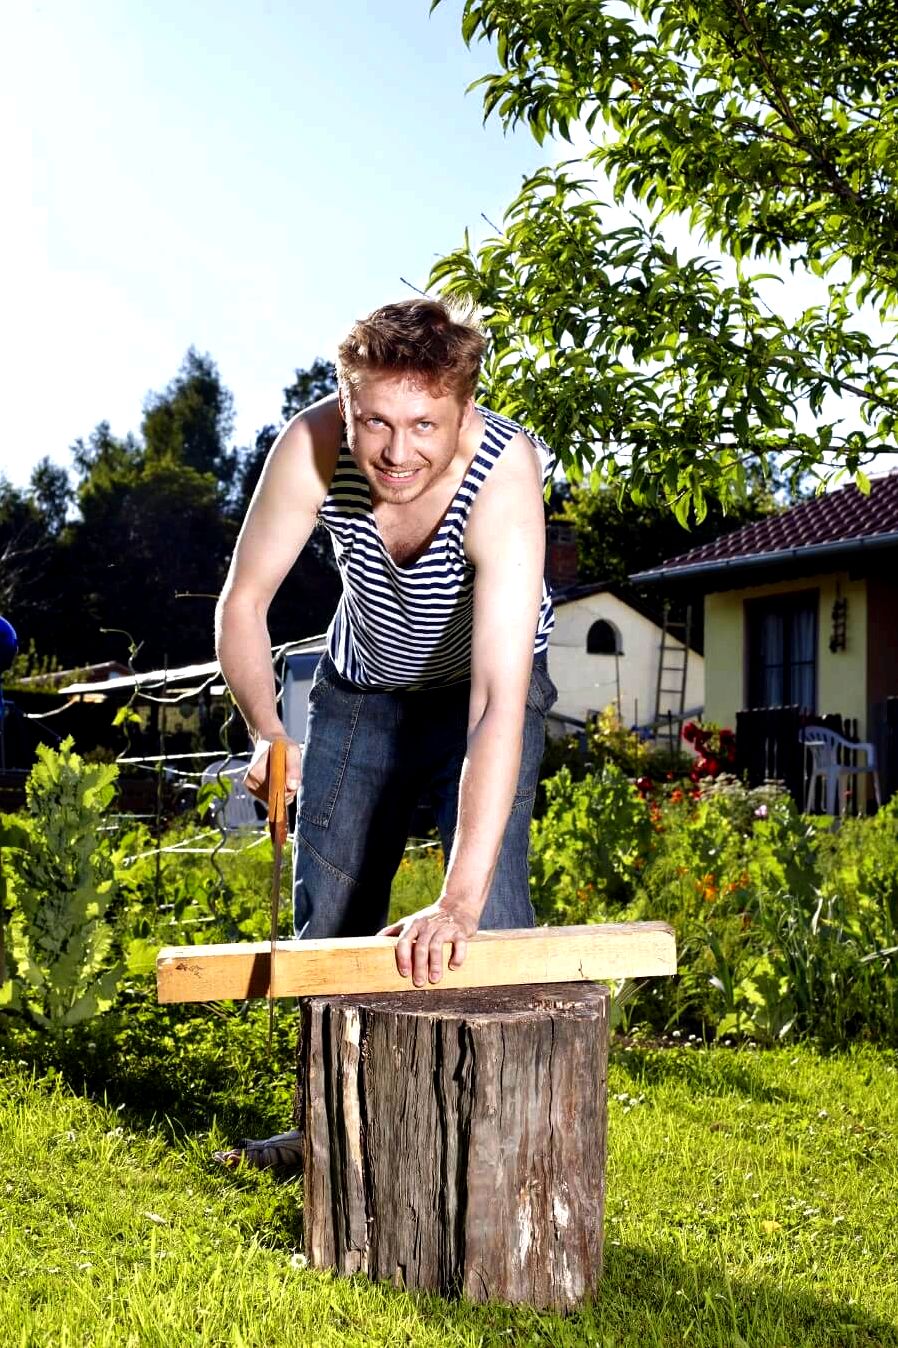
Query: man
435	682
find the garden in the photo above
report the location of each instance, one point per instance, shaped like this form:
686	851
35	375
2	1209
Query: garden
752	1167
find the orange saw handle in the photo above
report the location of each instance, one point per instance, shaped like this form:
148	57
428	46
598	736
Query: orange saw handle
277	791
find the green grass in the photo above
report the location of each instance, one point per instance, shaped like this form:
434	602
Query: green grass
752	1199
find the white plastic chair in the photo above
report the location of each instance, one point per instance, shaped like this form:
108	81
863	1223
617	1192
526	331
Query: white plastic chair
238	812
828	752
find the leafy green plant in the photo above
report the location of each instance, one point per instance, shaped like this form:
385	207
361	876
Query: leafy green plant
587	848
417	882
785	930
609	741
772	130
61	878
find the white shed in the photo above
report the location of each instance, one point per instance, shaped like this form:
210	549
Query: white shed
606	649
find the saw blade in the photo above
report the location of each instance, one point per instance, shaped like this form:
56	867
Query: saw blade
277	825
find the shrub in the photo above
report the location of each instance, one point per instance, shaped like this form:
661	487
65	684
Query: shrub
61	880
784	929
417	882
588	846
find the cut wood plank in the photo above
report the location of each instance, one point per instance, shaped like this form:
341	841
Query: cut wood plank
207	973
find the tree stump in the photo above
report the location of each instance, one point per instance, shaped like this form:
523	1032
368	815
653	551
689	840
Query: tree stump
455	1140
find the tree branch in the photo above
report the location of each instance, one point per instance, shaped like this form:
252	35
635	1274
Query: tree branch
782	106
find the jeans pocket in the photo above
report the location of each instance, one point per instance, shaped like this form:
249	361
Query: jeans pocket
333	717
542	694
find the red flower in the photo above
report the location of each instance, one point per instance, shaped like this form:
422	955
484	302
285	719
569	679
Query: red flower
689	732
711	766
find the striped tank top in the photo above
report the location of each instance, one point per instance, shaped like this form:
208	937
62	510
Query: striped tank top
410	626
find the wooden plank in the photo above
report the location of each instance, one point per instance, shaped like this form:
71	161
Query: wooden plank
206	973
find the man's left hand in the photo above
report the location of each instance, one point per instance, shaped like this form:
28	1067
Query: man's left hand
422	935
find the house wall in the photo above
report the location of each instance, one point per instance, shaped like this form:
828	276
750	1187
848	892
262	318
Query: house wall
841	675
586	683
882	672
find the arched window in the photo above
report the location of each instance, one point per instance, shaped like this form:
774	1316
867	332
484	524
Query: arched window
603	639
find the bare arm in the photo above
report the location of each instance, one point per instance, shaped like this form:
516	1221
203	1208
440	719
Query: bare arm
280	519
505	539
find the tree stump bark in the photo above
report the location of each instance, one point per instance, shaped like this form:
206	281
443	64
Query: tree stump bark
455	1140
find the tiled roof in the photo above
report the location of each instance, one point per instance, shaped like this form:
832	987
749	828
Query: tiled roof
838	517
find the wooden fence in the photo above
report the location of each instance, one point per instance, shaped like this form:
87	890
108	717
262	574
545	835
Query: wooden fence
768	748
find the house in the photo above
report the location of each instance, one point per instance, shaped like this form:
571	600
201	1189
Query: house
606	648
801	613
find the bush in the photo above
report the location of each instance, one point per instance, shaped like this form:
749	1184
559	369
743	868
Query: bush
588	846
417	882
62	878
784	929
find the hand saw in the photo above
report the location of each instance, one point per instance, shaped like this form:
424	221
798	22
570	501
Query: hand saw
277	826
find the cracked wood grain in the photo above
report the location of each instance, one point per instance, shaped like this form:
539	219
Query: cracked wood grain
455	1141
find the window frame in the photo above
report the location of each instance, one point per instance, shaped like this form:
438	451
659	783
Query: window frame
788	604
615	634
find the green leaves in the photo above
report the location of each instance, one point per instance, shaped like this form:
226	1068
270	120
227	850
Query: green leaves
769	130
61	878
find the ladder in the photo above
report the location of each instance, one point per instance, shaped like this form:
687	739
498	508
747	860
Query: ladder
673	667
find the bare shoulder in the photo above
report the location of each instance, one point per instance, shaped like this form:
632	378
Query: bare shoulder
298	470
308	446
285	504
511	498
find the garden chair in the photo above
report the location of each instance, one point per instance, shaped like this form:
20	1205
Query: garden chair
833	758
237	812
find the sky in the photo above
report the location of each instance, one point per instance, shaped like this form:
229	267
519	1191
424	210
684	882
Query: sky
244	178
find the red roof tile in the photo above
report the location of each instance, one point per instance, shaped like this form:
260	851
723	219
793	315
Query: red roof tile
836	517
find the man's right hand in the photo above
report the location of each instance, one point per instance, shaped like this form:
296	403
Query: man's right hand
256	779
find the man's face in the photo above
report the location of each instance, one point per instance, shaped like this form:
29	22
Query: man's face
402	435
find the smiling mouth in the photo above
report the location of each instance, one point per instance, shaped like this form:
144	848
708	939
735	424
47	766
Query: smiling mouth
397	474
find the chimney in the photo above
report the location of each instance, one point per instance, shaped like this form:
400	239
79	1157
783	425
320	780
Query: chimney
561	555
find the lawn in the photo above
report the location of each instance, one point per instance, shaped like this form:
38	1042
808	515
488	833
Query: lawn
752	1199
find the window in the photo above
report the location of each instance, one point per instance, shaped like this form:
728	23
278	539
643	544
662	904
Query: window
782	651
603	639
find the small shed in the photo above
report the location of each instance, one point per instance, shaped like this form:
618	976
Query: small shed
606	649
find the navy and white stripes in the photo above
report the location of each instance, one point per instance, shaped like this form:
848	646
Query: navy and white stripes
410	626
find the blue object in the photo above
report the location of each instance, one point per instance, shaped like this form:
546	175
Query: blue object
9	644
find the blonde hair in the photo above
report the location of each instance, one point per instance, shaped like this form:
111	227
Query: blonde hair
422	339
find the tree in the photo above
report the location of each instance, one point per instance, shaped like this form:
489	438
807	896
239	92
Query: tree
616	537
772	129
309	386
52	493
144	541
146	549
149	549
190	423
105	459
23	550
